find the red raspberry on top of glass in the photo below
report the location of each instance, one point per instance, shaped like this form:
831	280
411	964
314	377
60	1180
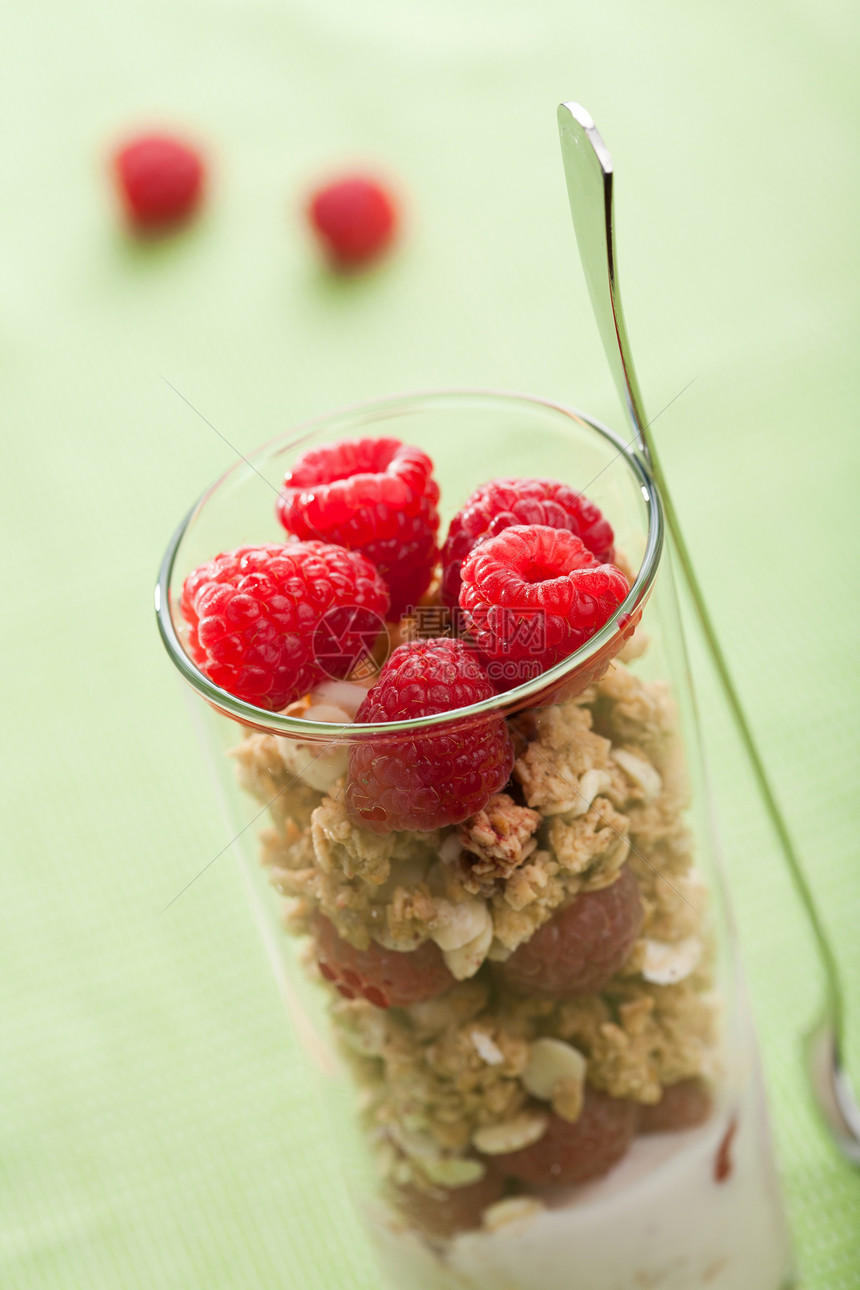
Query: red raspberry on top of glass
424	780
532	596
377	496
255	616
503	502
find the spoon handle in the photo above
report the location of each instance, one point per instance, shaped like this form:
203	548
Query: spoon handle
589	173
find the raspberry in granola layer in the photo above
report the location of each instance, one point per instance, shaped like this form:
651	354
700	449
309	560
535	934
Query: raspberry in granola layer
566	1154
682	1106
582	946
385	978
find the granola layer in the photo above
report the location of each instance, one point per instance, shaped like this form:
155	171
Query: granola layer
598	784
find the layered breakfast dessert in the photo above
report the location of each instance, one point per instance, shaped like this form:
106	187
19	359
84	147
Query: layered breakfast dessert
502	907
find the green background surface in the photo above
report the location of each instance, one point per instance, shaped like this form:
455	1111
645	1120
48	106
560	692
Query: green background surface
159	1128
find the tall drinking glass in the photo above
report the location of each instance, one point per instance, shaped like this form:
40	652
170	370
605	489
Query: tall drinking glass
571	1094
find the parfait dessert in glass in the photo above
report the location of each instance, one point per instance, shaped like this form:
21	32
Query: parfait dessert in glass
443	657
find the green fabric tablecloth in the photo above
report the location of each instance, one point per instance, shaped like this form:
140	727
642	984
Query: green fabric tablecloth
159	1128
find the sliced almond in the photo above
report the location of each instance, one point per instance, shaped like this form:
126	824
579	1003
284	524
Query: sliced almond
640	771
513	1135
564	806
450	848
594	781
487	1049
514	1209
464	962
551	1060
414	1143
456	925
346	695
320	766
317	762
667	962
452	1172
568	1098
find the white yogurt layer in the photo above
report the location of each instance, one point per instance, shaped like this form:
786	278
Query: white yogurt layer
659	1221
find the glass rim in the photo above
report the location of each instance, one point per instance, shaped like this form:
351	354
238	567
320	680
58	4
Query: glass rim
279	724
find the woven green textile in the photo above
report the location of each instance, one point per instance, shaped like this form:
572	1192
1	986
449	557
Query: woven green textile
159	1128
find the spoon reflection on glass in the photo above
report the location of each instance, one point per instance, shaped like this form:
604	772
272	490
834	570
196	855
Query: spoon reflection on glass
589	173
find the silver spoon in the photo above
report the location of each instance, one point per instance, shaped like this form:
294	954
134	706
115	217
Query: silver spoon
589	172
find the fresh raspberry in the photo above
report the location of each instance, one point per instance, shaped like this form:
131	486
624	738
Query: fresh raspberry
532	595
504	502
258	616
377	496
428	780
582	946
442	1211
160	179
576	1153
354	218
682	1106
385	978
